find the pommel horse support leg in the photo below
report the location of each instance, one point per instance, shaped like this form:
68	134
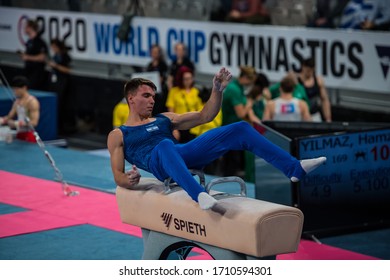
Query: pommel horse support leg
238	227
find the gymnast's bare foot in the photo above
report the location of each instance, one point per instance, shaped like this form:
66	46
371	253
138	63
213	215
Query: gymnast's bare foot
206	201
309	165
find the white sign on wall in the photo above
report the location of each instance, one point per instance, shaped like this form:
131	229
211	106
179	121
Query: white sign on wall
346	59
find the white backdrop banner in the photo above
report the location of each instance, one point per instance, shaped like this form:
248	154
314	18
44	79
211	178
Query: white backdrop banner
346	59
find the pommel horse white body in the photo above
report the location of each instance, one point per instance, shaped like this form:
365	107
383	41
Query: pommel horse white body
238	227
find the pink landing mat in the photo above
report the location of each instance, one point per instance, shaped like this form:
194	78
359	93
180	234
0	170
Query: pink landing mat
48	208
310	250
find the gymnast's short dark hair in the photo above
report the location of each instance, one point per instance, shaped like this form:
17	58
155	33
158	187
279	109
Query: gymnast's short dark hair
132	85
19	82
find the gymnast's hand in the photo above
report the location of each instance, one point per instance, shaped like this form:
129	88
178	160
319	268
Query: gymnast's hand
133	175
221	79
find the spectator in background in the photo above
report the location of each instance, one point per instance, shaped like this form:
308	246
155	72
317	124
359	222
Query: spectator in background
25	109
355	13
260	95
249	11
237	107
159	64
219	9
299	90
59	82
286	107
120	113
216	122
181	59
379	17
184	98
327	13
320	108
34	56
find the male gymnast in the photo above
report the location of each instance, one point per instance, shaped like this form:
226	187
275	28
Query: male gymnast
147	142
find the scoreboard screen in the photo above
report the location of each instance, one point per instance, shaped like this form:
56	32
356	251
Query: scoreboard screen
352	189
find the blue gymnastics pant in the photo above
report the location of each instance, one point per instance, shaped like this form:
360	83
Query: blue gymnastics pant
173	160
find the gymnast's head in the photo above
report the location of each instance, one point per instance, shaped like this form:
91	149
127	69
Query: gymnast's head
138	86
140	94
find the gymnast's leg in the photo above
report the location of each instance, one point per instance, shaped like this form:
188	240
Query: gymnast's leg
166	162
241	136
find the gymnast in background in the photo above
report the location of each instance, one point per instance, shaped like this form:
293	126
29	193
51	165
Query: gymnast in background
24	114
147	142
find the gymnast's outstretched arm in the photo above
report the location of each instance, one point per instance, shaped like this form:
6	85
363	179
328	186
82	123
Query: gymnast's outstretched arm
210	109
129	179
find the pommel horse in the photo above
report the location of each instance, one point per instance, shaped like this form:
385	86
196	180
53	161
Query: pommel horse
237	228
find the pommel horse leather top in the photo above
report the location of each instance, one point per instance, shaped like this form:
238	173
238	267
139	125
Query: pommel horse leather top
253	227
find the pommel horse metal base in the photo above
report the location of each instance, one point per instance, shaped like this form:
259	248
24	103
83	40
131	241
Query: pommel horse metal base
237	228
161	246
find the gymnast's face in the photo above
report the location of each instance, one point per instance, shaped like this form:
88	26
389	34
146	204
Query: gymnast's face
19	91
142	101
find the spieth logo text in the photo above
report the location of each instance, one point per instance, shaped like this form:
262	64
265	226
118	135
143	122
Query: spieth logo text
183	225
